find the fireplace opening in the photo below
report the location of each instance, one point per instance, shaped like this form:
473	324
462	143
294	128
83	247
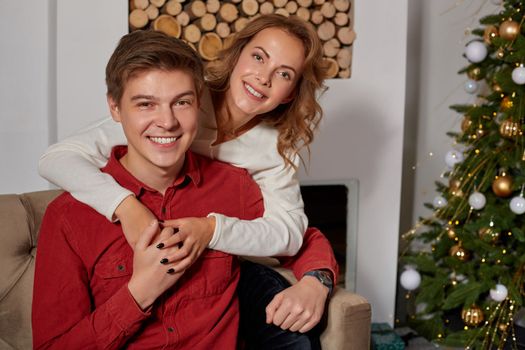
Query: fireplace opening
332	208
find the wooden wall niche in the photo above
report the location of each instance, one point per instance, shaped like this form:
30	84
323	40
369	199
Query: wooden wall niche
208	26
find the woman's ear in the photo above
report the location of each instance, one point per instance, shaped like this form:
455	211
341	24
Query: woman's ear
289	98
113	108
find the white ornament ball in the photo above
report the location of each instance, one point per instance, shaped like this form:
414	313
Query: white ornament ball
471	86
410	279
476	51
439	202
517	205
477	200
453	157
499	293
518	75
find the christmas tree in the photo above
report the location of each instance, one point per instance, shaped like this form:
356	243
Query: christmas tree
464	266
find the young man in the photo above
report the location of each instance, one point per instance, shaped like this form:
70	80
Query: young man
91	289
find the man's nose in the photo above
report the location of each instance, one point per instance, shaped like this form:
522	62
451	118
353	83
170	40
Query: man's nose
167	118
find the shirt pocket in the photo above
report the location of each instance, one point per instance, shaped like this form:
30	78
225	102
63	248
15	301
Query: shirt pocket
210	275
109	274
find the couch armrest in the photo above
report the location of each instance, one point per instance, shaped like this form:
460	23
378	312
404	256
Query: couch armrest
348	321
348	324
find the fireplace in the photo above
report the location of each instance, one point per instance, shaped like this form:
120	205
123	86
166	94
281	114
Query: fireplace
331	206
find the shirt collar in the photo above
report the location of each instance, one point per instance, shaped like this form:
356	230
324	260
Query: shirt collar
190	170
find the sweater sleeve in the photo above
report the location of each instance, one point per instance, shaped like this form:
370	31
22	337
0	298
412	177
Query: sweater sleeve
73	164
63	315
315	254
279	232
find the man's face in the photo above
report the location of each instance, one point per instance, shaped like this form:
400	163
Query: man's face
158	111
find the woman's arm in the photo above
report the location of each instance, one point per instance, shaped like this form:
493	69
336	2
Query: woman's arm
73	164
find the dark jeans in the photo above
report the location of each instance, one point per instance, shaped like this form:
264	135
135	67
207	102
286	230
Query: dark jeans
257	287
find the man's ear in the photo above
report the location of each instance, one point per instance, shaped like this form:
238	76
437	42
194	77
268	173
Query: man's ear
113	108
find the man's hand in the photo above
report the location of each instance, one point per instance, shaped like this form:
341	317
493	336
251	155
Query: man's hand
299	307
192	235
134	218
153	274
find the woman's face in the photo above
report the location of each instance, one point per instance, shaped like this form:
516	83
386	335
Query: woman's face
266	73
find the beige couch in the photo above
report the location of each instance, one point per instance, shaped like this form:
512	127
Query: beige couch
20	217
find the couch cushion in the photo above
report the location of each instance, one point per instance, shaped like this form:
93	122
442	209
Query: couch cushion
20	217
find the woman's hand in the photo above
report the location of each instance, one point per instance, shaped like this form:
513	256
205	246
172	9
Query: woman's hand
192	235
153	273
134	218
299	307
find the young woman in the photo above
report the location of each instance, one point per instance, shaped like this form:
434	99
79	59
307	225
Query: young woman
264	111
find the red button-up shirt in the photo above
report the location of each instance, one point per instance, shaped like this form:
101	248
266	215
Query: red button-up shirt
81	299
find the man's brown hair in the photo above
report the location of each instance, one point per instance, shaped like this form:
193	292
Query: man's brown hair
143	50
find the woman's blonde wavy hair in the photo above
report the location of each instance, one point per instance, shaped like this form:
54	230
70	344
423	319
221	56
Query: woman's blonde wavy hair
297	120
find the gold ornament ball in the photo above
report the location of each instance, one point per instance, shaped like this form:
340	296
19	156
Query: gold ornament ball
509	30
457	251
472	316
466	123
451	233
500	53
490	33
454	186
506	103
496	87
488	234
503	327
502	186
510	129
475	73
480	132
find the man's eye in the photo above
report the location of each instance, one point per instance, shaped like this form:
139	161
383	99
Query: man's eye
145	104
183	103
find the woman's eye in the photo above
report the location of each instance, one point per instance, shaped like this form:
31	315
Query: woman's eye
257	57
285	75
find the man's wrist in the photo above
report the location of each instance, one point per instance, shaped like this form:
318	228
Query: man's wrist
324	277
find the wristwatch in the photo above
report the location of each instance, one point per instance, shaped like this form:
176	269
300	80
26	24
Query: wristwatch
324	277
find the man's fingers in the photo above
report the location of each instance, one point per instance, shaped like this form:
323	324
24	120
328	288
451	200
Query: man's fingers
272	307
147	235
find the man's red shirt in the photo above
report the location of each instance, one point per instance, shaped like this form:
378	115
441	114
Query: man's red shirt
81	299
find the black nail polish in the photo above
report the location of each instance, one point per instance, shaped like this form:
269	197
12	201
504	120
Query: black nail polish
164	261
160	245
171	271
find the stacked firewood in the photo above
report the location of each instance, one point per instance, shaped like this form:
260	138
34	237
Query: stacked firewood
208	25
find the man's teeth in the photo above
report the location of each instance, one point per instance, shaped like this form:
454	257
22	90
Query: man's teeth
252	91
163	140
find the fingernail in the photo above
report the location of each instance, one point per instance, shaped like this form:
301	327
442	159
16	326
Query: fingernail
164	261
160	245
153	223
170	271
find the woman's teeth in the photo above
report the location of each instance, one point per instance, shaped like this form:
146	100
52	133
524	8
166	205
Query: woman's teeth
252	91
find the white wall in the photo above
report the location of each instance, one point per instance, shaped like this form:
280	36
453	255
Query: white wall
362	137
24	93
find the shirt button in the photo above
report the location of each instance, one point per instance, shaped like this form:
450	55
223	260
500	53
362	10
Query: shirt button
120	267
163	210
170	329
